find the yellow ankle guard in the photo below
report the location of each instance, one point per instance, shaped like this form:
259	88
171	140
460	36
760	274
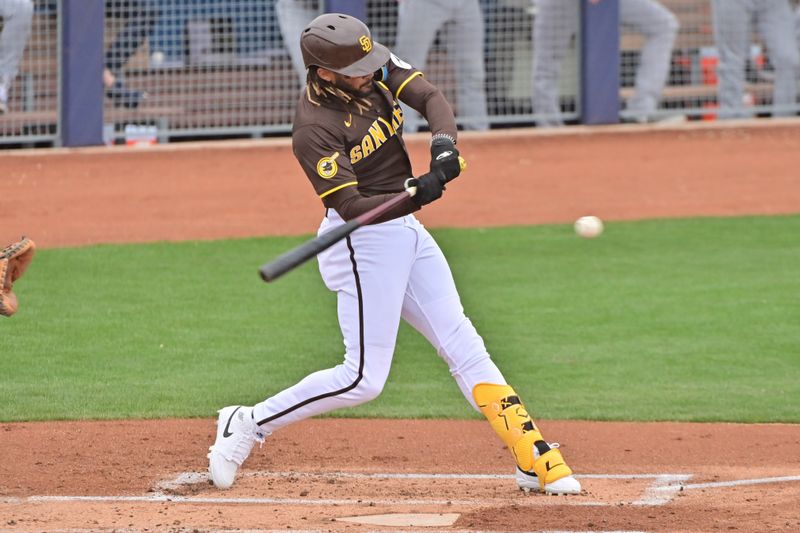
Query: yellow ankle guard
509	419
550	466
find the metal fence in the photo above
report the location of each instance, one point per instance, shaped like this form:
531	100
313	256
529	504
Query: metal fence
182	69
209	68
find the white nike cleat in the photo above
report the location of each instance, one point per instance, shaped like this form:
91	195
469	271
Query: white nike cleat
237	432
528	481
550	475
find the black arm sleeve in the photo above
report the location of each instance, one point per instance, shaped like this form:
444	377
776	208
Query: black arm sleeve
431	103
349	203
409	85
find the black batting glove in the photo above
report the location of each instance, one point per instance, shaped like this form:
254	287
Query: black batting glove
429	187
444	157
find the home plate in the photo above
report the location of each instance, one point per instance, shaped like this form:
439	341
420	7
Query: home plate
399	519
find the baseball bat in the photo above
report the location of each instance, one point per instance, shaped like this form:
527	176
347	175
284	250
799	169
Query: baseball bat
297	256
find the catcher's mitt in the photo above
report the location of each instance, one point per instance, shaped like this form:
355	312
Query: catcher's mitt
14	259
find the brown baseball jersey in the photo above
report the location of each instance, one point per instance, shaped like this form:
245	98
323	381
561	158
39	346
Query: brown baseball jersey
351	148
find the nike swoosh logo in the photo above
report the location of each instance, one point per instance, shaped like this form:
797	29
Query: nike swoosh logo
443	155
349	121
548	467
226	433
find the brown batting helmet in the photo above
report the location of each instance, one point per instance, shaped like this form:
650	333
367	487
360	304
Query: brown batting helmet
342	44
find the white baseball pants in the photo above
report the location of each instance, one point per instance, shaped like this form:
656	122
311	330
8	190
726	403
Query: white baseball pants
293	17
17	16
775	25
382	273
417	25
558	21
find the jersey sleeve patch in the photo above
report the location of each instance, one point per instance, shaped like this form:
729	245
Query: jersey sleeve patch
327	167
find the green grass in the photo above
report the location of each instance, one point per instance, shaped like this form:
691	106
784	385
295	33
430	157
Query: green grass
694	319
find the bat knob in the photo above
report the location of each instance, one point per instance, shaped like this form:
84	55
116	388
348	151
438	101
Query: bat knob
410	185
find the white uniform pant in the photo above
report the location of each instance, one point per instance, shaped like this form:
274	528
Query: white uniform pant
775	26
293	17
17	16
557	22
382	273
418	22
797	25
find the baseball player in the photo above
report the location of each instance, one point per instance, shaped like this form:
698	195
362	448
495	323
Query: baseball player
555	25
139	16
293	17
797	24
775	25
17	17
418	22
347	138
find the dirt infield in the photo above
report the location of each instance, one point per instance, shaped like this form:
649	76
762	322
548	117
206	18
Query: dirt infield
218	190
150	475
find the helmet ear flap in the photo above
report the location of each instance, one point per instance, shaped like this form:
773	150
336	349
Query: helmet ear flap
381	74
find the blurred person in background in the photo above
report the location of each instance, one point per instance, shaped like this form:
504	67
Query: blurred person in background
418	22
17	17
293	17
797	24
139	17
557	23
775	24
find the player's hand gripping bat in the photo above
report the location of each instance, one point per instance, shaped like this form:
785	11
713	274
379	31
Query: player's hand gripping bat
297	256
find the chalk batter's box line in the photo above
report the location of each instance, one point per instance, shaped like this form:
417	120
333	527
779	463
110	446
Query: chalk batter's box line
661	491
651	495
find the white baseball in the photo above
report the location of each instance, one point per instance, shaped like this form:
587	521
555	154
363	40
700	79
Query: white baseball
589	227
157	58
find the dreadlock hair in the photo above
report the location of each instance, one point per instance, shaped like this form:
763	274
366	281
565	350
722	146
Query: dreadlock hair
316	87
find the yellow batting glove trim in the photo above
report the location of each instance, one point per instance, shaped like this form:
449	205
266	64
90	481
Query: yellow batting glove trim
402	85
328	193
